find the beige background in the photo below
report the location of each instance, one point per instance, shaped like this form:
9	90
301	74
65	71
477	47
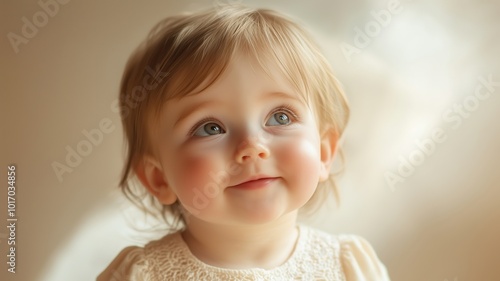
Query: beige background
441	223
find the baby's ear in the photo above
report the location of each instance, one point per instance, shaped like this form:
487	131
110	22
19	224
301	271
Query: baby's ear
150	173
329	139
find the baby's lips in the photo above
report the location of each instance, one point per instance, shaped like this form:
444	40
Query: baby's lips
253	178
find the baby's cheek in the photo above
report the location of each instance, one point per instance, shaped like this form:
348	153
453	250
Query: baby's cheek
193	183
192	172
300	160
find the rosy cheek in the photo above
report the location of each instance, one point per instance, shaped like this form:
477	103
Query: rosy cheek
192	172
303	158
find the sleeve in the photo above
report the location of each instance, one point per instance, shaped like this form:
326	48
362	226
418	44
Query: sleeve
129	265
360	262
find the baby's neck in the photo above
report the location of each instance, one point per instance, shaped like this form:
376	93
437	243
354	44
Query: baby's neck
263	246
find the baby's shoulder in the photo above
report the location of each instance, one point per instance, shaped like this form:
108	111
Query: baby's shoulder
137	263
326	245
165	250
354	255
129	264
316	239
340	242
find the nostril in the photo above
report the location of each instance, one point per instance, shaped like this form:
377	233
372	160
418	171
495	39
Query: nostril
252	150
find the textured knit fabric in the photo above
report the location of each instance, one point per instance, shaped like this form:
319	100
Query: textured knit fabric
317	256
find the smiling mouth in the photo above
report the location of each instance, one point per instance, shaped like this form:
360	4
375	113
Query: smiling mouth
254	184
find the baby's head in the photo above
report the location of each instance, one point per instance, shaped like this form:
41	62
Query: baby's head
226	96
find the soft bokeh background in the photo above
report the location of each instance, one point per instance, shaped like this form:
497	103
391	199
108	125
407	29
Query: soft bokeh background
406	81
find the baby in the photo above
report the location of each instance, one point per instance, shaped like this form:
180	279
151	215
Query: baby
232	118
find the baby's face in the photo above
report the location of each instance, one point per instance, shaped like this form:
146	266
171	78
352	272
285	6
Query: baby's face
242	127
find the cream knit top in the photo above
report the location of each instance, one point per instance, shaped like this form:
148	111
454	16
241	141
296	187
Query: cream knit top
317	256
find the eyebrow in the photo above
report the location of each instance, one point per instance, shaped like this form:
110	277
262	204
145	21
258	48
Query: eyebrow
279	95
191	109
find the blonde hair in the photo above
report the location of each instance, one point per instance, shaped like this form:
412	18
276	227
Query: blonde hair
185	52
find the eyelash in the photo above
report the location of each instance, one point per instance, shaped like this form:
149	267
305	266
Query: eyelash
288	109
285	108
201	122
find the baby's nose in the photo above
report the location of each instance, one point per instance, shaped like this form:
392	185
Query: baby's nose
251	150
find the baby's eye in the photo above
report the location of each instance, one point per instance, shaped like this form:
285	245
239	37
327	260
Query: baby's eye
208	129
279	118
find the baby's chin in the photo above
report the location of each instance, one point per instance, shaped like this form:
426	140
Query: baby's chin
250	215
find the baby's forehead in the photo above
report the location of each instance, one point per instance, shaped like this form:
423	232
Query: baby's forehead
244	73
220	97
